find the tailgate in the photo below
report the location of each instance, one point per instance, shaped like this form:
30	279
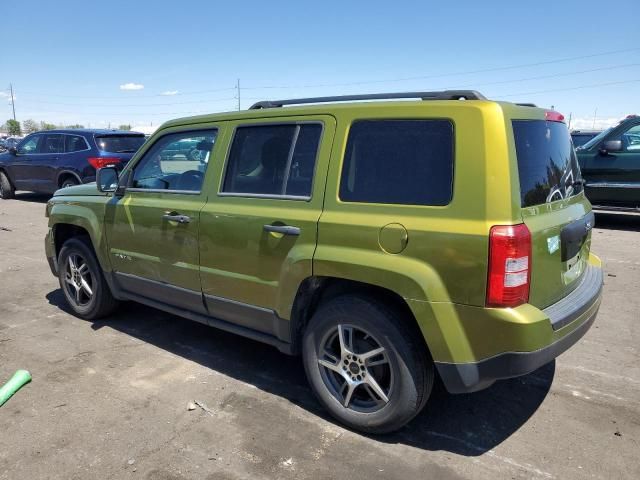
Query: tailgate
553	207
560	241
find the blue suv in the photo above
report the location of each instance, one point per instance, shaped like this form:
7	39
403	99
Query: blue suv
46	161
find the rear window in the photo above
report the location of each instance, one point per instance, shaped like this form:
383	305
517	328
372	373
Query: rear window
547	164
120	143
407	162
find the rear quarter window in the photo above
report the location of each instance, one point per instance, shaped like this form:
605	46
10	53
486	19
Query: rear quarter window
547	165
408	162
120	143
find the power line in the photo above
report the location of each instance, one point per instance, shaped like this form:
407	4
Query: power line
367	82
580	87
440	75
199	92
214	100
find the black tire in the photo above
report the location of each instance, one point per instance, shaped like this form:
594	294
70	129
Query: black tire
68	182
405	378
7	192
90	307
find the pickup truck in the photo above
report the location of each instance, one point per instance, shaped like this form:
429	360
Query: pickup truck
610	164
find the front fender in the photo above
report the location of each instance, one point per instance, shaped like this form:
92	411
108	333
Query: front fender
86	213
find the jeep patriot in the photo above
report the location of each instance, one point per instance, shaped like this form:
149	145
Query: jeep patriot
384	241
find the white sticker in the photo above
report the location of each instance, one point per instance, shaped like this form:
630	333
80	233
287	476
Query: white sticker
553	243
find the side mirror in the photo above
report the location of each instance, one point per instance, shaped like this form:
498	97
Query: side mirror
13	151
611	146
107	179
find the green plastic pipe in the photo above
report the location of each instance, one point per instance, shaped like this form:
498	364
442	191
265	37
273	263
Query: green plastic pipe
19	379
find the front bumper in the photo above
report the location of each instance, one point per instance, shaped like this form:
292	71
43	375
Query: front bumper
569	320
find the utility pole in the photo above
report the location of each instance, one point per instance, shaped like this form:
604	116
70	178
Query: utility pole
594	118
13	103
570	116
238	87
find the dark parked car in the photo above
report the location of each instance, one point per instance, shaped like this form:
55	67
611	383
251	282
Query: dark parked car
46	161
610	164
580	137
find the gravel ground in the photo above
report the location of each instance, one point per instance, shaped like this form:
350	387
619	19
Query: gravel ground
110	399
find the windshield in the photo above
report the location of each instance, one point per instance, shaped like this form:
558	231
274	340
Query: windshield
596	139
120	143
547	164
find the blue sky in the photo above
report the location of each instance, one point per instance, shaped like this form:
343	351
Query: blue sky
109	63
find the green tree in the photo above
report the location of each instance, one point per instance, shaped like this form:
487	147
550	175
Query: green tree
47	126
30	126
76	126
13	127
124	127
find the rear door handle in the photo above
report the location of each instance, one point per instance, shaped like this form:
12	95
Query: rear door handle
284	229
176	217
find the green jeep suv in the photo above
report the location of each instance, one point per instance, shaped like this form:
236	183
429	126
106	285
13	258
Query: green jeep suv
385	241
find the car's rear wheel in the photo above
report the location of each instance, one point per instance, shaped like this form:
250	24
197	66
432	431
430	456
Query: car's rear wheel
68	182
83	282
7	191
365	365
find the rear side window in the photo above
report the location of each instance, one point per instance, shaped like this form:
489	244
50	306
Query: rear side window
547	164
52	143
406	162
273	160
120	143
75	143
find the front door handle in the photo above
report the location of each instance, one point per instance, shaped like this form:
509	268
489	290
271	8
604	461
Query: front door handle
284	229
176	217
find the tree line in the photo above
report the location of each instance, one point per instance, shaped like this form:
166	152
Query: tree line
14	127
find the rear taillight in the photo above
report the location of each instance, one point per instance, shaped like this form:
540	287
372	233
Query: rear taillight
99	162
509	265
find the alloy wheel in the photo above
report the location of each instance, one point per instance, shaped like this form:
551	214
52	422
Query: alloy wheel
78	280
355	368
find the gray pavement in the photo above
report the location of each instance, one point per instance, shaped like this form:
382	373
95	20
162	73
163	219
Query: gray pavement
110	399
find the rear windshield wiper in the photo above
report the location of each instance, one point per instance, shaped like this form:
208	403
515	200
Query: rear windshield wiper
127	151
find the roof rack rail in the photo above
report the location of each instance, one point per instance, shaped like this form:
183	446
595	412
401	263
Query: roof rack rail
526	104
442	95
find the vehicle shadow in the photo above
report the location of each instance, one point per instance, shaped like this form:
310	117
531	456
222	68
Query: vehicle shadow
618	221
467	425
32	197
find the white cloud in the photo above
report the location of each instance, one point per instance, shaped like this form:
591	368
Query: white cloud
7	96
170	92
131	86
587	123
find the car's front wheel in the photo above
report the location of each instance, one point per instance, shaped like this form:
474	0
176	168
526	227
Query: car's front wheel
83	282
365	365
7	191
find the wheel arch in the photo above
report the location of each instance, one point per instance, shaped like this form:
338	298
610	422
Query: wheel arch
68	220
4	170
315	290
64	174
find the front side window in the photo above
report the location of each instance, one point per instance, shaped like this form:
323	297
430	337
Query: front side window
30	145
75	143
631	140
407	162
52	143
273	160
175	162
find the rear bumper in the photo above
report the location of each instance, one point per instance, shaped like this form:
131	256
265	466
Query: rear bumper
568	320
